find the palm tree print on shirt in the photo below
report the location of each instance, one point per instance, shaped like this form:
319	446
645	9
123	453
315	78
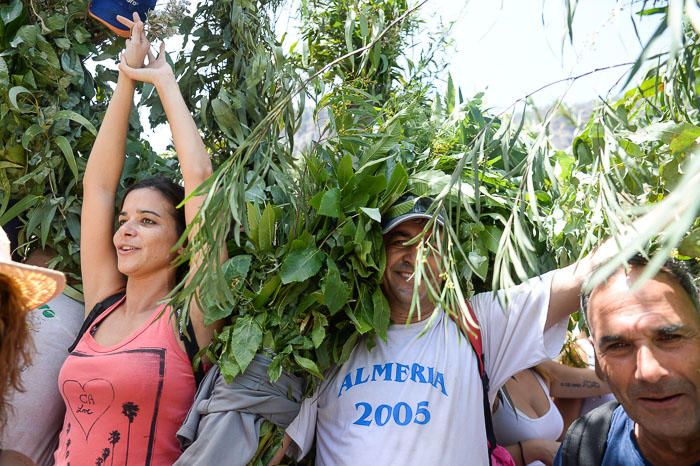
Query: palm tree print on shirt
130	410
102	459
114	438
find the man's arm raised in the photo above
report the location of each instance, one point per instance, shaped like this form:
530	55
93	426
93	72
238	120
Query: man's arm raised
568	281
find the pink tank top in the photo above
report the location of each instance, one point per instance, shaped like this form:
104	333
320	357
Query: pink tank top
124	403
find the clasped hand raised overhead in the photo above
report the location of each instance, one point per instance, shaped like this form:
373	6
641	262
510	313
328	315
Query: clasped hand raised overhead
132	61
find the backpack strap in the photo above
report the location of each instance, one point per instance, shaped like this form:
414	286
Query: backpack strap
191	347
587	438
94	314
471	330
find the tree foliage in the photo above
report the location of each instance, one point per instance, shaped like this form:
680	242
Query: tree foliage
50	105
638	150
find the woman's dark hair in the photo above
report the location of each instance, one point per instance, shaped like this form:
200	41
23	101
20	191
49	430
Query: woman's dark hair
175	194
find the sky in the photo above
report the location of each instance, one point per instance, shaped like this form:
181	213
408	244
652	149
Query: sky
509	48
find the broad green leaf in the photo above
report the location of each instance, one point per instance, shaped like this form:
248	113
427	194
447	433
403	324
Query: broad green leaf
335	291
382	313
15	92
690	246
362	325
319	331
46	220
4	73
397	183
48	54
245	340
237	267
274	371
330	203
55	22
372	213
344	171
348	346
687	137
226	119
21	205
228	366
4	165
300	265
73	224
267	228
253	217
76	117
308	365
266	292
10	11
65	147
35	217
81	34
491	237
31	132
71	64
450	99
28	35
479	264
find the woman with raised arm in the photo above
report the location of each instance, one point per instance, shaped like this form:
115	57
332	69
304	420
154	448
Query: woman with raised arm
128	383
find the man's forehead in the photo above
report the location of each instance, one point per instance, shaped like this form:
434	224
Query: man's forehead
658	302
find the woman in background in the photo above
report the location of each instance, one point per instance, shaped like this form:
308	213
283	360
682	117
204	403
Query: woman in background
525	419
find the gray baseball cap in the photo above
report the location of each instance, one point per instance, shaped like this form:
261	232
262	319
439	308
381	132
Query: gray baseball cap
409	207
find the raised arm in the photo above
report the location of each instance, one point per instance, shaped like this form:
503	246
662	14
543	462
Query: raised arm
567	282
191	153
98	259
573	382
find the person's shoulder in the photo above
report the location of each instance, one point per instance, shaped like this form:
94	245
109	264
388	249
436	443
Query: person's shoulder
62	312
66	304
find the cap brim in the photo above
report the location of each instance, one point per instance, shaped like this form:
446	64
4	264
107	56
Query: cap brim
410	216
37	285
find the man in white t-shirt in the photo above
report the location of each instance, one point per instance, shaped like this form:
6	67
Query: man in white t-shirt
417	398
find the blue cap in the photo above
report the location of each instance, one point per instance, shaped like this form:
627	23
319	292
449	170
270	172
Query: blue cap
409	207
106	11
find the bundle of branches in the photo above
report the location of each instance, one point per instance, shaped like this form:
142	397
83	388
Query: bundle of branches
307	258
637	150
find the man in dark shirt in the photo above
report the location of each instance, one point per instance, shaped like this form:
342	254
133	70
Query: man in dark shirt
647	345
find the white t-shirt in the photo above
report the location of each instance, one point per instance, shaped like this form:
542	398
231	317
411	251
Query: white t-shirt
37	415
417	399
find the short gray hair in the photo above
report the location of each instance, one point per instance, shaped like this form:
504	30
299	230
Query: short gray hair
674	267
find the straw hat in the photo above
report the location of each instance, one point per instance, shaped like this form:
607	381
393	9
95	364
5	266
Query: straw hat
36	284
